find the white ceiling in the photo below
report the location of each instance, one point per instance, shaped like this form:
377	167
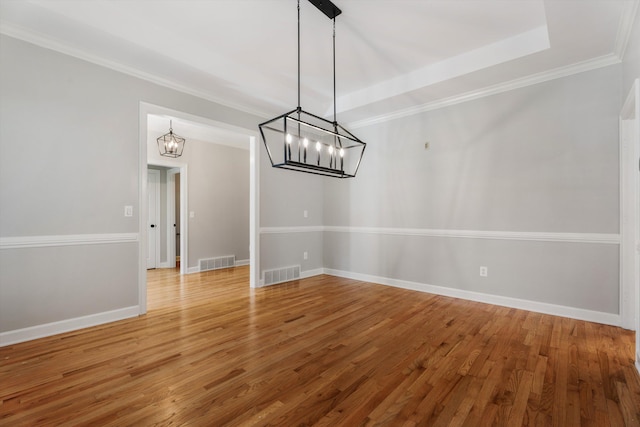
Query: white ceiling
394	57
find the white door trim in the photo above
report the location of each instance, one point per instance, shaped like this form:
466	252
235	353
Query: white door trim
254	193
629	212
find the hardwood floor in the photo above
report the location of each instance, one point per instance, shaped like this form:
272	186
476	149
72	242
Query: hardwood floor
323	351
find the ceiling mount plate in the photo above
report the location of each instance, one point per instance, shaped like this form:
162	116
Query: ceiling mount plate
327	7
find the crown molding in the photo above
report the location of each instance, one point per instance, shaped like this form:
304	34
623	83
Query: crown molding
43	41
625	28
580	67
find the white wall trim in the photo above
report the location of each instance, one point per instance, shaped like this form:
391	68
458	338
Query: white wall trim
588	65
539	307
66	240
294	229
192	270
54	328
254	211
601	238
310	273
241	262
480	234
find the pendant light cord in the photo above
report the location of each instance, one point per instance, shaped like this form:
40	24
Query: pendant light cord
299	105
334	71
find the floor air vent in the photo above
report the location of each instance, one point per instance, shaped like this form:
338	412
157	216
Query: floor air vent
280	275
217	263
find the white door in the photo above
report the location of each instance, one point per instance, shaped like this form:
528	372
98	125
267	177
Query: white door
153	207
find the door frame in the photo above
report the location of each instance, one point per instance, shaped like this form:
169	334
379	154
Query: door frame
254	194
156	248
630	214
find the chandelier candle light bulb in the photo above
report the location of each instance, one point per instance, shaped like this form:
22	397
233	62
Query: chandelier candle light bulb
331	156
318	148
289	139
305	143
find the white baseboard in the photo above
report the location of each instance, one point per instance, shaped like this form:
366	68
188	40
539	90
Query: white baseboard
54	328
540	307
638	363
311	273
192	270
164	265
241	262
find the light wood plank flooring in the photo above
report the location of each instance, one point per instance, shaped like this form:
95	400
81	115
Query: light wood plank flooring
323	351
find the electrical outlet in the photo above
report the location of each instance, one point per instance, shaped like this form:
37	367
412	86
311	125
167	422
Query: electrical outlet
484	271
305	255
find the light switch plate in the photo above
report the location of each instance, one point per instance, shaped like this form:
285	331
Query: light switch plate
128	210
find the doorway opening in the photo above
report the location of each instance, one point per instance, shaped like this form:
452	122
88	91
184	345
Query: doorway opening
164	210
177	169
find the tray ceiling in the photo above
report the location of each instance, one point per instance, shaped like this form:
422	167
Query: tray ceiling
392	56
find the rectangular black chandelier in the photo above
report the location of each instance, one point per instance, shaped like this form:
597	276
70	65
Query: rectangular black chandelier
305	142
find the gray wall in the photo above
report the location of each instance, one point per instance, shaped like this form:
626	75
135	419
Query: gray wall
68	165
538	159
284	196
218	181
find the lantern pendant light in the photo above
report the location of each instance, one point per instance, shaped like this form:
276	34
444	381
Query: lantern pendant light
305	142
170	144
